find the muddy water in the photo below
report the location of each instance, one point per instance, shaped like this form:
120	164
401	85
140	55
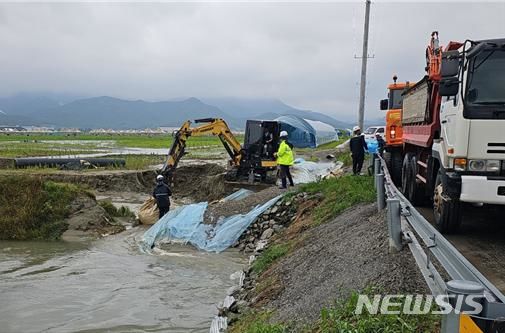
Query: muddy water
108	285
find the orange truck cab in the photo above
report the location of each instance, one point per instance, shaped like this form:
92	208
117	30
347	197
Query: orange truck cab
393	152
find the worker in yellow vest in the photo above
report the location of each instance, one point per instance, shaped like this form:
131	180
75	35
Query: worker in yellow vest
285	159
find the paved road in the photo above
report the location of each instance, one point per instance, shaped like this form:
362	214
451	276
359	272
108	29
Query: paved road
481	240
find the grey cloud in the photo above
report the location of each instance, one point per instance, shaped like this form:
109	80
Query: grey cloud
302	53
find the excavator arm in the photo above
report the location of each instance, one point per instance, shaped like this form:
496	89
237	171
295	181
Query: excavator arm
212	126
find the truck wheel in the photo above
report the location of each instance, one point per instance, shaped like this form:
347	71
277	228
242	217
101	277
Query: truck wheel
416	191
396	167
405	187
387	158
446	210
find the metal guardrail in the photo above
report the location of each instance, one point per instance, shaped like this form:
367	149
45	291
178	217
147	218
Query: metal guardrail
406	225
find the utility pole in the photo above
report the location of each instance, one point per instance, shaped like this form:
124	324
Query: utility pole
364	58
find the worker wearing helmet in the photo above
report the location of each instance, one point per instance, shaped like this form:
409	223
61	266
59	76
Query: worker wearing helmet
358	146
162	195
285	159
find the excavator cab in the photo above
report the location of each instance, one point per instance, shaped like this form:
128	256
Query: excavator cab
261	141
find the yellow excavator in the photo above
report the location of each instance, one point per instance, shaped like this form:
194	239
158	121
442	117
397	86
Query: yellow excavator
253	161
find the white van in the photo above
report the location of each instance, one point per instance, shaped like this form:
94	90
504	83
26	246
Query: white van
372	130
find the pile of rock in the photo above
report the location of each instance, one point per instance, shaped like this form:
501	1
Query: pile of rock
272	221
253	241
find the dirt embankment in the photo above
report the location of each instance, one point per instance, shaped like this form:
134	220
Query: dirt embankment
99	181
197	181
326	263
87	219
35	208
201	182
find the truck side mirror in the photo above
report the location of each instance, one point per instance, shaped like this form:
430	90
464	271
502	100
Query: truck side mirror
450	63
449	86
384	104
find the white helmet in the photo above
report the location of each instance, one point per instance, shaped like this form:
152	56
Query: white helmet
159	177
356	128
283	133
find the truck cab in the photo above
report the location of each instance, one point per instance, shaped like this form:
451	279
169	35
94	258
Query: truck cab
393	152
471	146
393	106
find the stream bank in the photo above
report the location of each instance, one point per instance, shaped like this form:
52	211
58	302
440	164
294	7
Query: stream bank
306	266
58	286
34	208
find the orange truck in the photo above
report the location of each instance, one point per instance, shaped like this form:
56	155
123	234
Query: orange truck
393	152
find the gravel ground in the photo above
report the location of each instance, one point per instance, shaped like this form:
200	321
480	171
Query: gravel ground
348	253
229	208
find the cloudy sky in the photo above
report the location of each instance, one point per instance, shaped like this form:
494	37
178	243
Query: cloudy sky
300	52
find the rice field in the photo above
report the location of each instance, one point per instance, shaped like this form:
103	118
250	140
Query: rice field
24	145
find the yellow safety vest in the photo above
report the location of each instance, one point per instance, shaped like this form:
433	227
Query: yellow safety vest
285	154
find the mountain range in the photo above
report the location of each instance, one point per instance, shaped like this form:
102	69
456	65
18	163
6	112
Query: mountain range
110	112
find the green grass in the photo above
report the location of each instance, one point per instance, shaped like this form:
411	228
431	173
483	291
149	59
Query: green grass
141	162
31	208
121	140
23	149
114	211
332	144
257	322
345	158
269	256
20	145
339	194
341	318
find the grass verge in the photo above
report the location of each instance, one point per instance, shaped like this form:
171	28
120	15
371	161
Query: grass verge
257	322
342	318
340	194
345	158
269	256
31	208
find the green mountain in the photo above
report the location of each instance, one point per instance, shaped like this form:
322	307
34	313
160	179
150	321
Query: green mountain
110	112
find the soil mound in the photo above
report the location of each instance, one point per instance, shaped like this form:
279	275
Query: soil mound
201	182
242	206
88	219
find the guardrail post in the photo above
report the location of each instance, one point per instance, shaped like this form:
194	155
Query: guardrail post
462	295
381	193
377	168
394	225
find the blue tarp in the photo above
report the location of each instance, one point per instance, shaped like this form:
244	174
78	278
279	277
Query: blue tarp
185	223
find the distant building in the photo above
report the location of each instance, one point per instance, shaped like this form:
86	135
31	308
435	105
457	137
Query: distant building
69	130
12	129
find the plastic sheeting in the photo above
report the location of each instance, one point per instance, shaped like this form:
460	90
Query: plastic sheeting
372	145
238	195
300	133
186	224
306	171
